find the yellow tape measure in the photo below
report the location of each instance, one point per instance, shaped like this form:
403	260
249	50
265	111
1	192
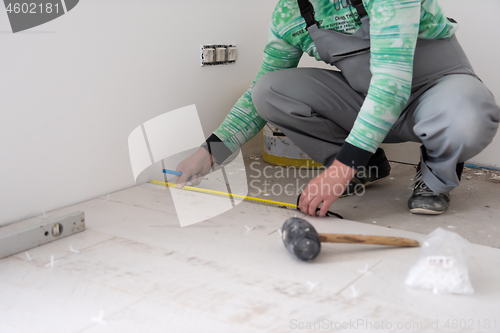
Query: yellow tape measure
202	190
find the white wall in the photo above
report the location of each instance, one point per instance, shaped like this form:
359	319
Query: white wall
73	89
478	35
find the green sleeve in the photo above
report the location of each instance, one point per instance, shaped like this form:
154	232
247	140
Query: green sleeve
394	28
243	122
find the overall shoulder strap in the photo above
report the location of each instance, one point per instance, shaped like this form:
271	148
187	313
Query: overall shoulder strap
307	12
360	8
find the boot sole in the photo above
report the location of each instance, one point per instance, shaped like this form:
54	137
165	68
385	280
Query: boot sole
422	211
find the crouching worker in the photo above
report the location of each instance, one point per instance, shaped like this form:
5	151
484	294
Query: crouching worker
402	76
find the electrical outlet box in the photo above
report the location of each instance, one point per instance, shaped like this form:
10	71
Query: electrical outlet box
218	54
209	55
232	52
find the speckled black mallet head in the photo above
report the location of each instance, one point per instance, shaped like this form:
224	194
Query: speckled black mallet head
300	238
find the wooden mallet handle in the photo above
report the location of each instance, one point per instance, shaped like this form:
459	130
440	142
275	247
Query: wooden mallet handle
362	239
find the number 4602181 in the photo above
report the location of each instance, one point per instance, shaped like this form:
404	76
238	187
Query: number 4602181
32	8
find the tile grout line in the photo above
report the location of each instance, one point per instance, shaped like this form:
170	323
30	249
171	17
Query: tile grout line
356	279
111	314
126	204
69	254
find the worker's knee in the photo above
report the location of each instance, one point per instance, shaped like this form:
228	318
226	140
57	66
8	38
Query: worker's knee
474	129
465	122
262	95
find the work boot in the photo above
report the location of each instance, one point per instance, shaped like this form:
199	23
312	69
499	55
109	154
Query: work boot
378	168
424	200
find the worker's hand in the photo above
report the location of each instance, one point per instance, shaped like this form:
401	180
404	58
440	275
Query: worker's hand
194	168
326	188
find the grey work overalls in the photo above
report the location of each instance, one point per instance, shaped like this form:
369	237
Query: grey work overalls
454	116
351	54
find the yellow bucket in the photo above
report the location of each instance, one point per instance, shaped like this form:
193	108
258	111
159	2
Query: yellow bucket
280	150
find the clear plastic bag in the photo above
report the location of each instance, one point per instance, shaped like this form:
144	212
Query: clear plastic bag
442	264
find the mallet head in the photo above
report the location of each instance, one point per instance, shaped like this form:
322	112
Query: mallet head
300	238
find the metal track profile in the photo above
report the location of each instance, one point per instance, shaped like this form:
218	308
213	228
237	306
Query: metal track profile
22	236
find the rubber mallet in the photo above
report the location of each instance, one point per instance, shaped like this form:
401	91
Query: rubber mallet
302	240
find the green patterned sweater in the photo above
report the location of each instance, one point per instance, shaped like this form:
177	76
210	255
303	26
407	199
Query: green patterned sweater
395	26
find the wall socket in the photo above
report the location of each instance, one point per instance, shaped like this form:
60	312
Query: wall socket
218	54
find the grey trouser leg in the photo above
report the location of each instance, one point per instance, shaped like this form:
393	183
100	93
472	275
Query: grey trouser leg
315	108
455	119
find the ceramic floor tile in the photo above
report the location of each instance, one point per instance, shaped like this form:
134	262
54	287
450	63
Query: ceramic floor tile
36	299
148	196
232	270
227	242
153	316
236	295
68	246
